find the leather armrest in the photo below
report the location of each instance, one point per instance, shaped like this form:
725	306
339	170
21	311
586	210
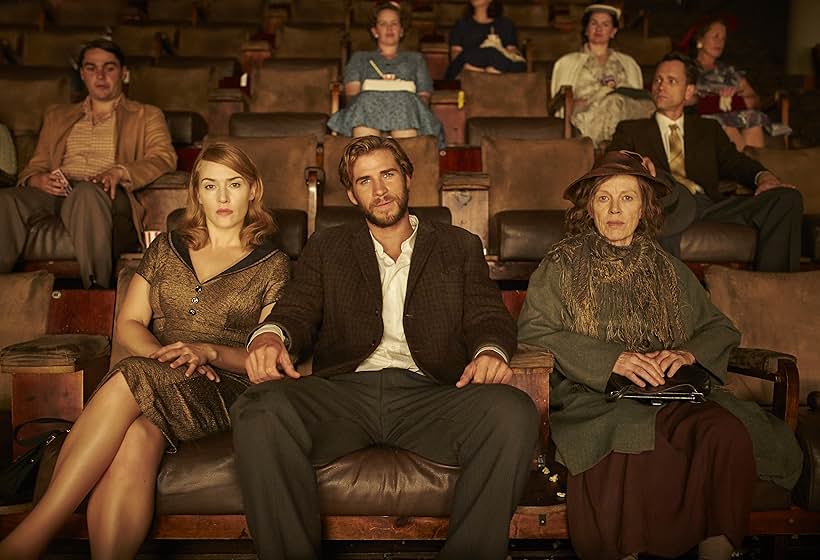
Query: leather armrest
780	369
759	363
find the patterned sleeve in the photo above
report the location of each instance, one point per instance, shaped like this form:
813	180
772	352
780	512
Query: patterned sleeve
424	83
354	69
278	277
150	264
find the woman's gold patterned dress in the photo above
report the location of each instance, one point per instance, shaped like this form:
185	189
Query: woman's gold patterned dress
222	310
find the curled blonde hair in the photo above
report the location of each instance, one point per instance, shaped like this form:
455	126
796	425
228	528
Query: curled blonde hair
259	222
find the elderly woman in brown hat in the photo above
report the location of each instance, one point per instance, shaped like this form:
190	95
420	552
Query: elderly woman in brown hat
608	302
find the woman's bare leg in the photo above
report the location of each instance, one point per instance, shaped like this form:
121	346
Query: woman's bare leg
754	137
404	133
736	137
122	503
359	131
86	454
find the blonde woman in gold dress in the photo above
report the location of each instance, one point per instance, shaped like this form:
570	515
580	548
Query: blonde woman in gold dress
195	296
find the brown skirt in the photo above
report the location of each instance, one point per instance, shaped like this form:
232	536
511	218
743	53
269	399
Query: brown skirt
696	483
183	408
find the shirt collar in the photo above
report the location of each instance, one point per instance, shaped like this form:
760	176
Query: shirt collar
665	122
89	114
406	246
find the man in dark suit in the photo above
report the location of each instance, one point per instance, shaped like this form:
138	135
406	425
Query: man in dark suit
411	344
693	154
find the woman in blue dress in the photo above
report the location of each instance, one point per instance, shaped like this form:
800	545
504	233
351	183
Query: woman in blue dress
390	89
724	93
484	41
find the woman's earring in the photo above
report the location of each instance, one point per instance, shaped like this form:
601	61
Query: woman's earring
699	45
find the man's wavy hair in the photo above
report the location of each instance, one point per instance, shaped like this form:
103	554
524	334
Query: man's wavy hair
365	145
259	222
579	218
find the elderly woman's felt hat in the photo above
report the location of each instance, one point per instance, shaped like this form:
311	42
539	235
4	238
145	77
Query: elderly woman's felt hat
678	203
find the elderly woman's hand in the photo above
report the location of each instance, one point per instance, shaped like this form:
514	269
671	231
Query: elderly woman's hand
640	369
671	361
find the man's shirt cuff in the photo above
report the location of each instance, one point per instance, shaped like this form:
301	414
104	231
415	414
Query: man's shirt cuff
275	329
495	349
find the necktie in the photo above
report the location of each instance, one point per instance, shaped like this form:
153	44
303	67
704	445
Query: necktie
676	163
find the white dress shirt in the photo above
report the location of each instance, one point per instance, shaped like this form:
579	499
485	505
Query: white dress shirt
393	351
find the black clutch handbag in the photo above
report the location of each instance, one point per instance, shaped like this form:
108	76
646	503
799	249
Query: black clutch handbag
690	383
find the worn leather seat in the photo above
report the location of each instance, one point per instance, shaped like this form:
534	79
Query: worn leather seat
521	128
266	125
299	86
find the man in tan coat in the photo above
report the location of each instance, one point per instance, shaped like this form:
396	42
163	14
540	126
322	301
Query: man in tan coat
86	153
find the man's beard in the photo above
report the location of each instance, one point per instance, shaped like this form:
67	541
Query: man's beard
389	219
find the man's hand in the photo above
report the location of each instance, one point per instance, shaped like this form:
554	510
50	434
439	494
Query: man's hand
671	361
109	180
49	183
647	163
191	355
268	360
488	367
767	181
640	369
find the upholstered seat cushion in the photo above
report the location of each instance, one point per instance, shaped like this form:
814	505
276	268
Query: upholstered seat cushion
531	174
54	350
524	128
48	239
778	311
261	125
186	127
201	478
716	242
526	235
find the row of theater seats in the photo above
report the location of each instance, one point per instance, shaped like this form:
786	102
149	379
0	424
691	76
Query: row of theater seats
514	203
73	13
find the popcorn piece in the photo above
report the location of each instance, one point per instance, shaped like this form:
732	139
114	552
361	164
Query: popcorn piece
554	478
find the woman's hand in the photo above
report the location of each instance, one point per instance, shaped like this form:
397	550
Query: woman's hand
208	372
727	91
671	361
193	354
640	369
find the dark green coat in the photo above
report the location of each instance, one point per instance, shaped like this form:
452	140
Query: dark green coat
586	428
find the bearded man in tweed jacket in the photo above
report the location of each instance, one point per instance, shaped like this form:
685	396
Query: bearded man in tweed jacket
411	344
